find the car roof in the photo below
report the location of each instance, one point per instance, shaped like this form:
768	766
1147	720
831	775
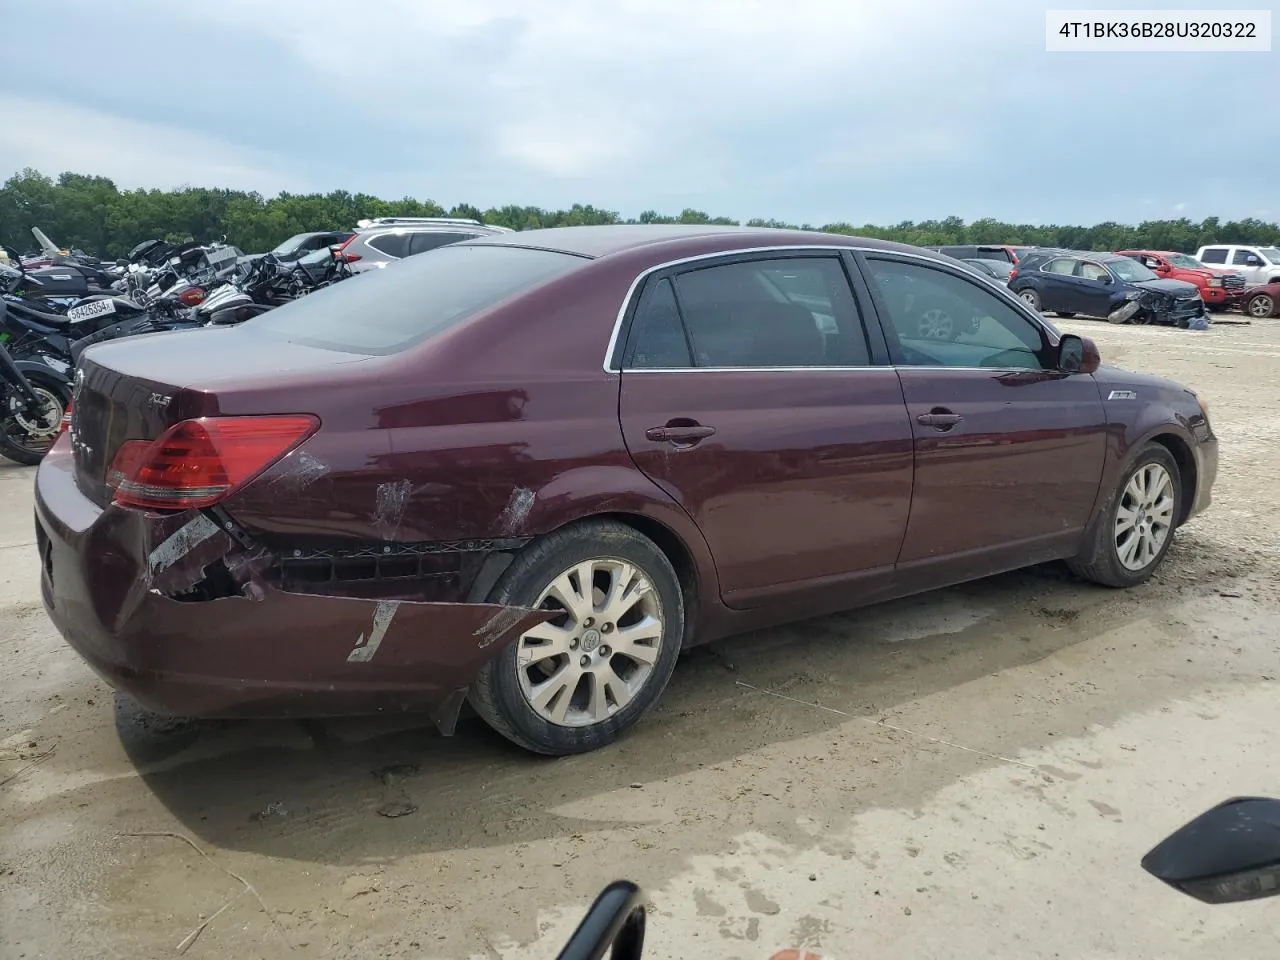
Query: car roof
606	239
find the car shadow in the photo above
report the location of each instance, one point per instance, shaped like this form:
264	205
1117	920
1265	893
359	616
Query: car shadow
349	791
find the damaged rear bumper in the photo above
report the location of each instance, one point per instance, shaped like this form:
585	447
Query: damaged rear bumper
109	580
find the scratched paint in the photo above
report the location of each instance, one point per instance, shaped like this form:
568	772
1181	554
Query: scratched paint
516	510
498	624
185	539
300	470
364	650
391	503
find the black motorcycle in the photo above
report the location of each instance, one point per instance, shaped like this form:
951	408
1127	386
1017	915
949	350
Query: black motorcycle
33	399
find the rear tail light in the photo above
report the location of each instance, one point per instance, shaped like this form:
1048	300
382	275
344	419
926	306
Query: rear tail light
342	254
1013	274
192	296
197	463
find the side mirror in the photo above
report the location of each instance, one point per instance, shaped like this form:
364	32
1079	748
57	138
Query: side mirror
1253	261
1077	354
1226	855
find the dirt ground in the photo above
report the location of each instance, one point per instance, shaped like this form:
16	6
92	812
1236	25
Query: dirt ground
975	773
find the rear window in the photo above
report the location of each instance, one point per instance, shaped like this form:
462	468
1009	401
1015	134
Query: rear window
388	310
1214	255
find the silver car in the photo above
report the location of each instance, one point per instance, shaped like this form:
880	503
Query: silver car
384	240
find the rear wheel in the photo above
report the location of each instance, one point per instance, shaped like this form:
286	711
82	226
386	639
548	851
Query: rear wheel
1130	536
580	680
1031	298
27	431
1260	306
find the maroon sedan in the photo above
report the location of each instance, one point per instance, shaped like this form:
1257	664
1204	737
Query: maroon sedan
1261	302
527	470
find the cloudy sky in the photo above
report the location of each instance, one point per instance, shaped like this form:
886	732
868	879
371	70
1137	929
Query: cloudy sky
805	110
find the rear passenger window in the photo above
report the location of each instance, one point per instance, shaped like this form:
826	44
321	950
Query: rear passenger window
1214	256
422	242
1063	266
786	312
657	337
392	244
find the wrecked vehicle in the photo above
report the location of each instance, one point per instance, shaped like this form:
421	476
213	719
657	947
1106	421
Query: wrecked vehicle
1105	285
588	449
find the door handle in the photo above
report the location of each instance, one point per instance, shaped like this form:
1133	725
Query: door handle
939	418
679	433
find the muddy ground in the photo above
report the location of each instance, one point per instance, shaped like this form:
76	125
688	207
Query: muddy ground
975	773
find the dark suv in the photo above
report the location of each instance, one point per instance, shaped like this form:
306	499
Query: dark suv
1070	282
376	243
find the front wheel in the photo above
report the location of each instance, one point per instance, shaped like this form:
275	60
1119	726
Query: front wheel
1064	314
28	431
1130	536
584	677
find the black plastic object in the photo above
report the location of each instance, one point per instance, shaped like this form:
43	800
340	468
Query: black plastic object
1227	854
615	920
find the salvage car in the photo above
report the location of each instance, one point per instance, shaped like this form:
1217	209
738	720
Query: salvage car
1218	288
1261	302
1109	285
527	470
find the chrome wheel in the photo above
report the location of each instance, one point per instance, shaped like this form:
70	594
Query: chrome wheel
595	656
1261	306
1144	516
936	324
1030	298
36	429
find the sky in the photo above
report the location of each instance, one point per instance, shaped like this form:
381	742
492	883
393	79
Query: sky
815	111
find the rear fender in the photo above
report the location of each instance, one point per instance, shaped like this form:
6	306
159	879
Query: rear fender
592	491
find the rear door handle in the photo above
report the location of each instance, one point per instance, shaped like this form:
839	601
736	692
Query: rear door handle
679	434
941	419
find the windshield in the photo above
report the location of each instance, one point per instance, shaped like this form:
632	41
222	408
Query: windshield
289	245
1182	260
1130	271
391	309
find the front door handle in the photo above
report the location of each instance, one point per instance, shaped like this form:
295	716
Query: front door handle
940	418
679	433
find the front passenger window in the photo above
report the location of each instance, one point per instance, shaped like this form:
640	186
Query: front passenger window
942	320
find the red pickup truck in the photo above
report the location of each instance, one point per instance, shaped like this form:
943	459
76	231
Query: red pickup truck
1218	288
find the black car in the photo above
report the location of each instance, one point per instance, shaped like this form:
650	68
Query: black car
1071	282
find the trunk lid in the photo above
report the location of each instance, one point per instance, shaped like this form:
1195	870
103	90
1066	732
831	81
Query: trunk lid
137	388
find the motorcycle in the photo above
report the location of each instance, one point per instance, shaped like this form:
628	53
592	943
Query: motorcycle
1228	854
268	282
32	402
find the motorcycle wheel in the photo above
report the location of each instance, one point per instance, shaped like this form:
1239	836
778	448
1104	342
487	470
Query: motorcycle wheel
26	438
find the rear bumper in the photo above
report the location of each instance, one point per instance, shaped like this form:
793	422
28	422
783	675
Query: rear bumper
106	579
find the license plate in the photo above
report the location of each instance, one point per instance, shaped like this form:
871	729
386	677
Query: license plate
87	311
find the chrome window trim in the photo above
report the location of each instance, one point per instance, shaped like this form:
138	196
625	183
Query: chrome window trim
999	290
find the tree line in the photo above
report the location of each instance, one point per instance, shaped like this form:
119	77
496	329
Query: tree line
92	214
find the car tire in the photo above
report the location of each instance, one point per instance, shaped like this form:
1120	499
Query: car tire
506	689
1149	495
1031	298
1065	314
1260	306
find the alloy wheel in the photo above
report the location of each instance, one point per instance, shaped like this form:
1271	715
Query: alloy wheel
1144	516
1261	307
595	656
936	324
36	431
